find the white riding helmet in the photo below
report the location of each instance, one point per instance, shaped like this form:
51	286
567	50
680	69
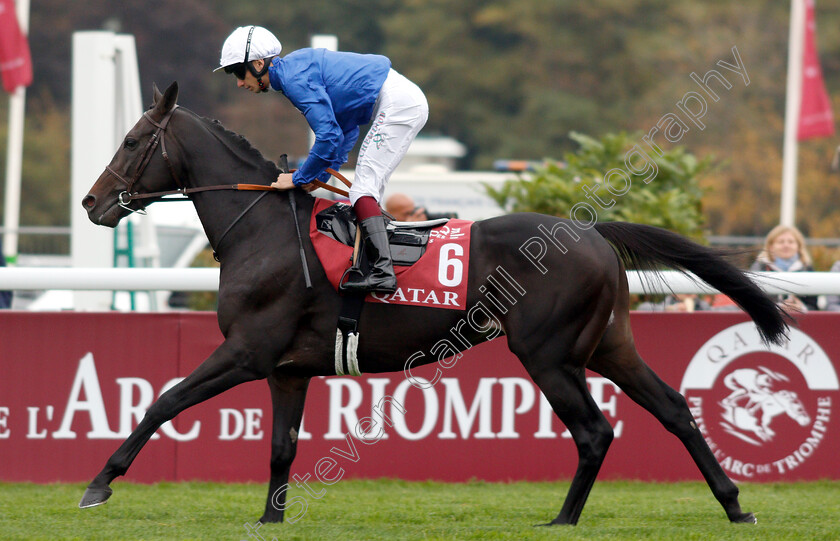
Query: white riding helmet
248	43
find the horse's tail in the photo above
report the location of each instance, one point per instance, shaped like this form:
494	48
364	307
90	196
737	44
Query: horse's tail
644	247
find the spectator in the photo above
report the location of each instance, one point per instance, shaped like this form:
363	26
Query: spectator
785	251
5	296
676	303
722	303
403	209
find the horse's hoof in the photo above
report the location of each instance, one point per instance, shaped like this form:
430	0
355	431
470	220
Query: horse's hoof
746	518
95	496
554	522
266	518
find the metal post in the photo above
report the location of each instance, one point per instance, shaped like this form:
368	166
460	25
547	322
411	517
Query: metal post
93	144
14	155
793	104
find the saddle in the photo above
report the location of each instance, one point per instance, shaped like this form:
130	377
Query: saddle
408	240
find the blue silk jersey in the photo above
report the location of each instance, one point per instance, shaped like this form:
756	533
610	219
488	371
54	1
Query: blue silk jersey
336	92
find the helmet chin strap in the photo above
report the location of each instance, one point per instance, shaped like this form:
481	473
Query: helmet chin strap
259	75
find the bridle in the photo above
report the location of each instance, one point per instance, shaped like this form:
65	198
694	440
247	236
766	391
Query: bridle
159	138
125	197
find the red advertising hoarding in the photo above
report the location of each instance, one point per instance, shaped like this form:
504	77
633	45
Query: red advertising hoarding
73	386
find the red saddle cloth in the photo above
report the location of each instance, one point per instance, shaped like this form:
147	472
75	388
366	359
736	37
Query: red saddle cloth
437	280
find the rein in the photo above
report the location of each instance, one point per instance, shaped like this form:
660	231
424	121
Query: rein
159	138
265	189
240	187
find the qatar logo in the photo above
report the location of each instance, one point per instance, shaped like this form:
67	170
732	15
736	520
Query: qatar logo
765	411
753	404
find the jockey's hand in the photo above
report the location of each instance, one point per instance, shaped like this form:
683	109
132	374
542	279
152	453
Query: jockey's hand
283	182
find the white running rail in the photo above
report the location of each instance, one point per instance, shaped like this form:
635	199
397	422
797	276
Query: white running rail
207	279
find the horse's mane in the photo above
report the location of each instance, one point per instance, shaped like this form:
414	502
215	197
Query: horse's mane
236	142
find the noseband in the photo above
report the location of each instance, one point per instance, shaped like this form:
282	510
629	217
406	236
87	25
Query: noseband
159	137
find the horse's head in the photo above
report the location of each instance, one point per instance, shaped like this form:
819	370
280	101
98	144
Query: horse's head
137	167
793	406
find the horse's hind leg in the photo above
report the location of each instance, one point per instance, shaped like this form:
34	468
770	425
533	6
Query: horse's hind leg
288	395
616	359
554	335
566	391
556	365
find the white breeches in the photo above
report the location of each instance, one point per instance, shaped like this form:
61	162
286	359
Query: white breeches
400	112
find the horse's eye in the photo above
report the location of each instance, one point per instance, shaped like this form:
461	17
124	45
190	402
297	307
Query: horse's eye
130	144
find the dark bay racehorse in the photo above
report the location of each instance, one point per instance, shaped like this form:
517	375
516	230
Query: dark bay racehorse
572	313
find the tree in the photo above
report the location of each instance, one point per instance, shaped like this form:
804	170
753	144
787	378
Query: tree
509	78
619	180
45	190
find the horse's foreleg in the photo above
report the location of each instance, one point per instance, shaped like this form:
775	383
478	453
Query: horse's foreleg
226	367
768	432
288	395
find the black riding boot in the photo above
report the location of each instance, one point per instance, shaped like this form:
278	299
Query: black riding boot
381	278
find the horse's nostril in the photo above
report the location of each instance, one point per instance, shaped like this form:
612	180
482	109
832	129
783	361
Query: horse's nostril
89	201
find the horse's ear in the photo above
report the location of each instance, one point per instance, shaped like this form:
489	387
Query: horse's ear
156	95
166	102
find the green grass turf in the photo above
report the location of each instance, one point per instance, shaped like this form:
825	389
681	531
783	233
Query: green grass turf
387	509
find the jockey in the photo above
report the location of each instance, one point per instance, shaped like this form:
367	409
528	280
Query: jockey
337	92
746	382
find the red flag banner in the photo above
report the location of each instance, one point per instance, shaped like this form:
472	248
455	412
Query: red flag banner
815	116
15	61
